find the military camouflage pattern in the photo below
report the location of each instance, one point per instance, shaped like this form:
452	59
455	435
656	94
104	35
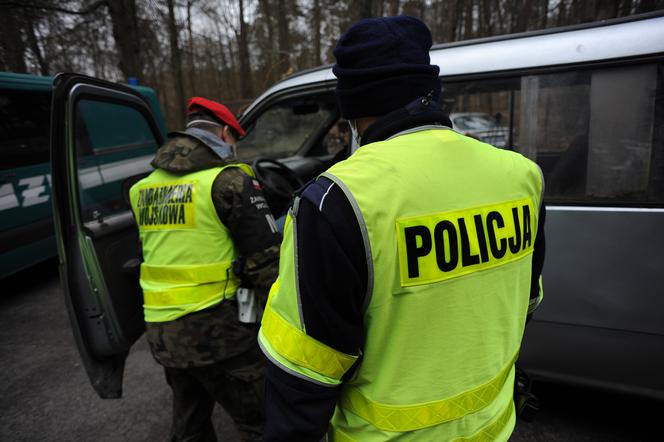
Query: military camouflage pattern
215	334
236	383
210	356
243	210
185	154
201	338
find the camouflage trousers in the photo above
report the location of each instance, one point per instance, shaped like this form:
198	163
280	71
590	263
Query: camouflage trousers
237	384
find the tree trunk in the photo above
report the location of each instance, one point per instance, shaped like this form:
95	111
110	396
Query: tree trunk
625	8
486	20
12	46
269	55
560	19
393	8
127	37
544	17
452	20
243	50
522	15
646	6
176	61
366	9
283	37
468	20
192	64
317	33
34	42
233	91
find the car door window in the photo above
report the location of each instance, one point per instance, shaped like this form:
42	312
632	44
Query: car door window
24	127
115	143
597	134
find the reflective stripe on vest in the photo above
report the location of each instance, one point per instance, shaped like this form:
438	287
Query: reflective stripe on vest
198	274
417	416
293	344
489	433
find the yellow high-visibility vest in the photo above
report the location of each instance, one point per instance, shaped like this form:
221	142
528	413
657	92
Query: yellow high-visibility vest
449	225
187	251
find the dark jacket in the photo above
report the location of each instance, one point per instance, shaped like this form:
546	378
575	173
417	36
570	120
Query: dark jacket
330	248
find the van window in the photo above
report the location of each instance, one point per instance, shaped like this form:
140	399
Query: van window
114	144
597	134
286	128
24	127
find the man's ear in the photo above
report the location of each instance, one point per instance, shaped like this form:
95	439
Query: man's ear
226	135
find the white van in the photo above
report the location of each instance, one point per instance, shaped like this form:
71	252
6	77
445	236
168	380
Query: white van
585	102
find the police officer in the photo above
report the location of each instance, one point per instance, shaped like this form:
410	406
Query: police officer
407	271
205	232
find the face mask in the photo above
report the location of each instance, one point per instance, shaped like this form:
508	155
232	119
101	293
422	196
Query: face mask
355	137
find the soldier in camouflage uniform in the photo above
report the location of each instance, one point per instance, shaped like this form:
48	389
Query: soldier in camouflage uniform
210	356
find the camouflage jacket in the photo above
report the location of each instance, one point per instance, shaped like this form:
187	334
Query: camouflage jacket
215	334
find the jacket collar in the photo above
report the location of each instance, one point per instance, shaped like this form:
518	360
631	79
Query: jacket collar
222	149
420	112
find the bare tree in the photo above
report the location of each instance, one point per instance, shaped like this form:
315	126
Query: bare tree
283	36
176	60
12	45
192	64
33	40
127	37
316	13
245	65
365	9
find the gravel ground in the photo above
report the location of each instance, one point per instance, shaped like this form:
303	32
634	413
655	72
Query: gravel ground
45	394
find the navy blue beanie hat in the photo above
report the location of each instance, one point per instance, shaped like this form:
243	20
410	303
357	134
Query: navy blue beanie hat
382	65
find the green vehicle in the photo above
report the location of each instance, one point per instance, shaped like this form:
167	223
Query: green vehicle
109	152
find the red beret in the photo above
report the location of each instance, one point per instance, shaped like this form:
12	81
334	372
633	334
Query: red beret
217	110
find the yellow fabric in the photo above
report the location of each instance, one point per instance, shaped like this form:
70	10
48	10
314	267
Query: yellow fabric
437	361
500	232
492	430
417	416
166	205
293	344
187	251
489	433
190	295
185	274
438	340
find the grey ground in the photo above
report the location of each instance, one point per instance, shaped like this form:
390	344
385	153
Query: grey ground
45	395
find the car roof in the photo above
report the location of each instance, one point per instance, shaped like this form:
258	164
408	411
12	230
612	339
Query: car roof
609	39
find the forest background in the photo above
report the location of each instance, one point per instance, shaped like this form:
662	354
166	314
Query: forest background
232	50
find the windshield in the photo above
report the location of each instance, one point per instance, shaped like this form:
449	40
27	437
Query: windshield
285	128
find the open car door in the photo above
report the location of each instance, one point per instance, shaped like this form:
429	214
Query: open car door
103	137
